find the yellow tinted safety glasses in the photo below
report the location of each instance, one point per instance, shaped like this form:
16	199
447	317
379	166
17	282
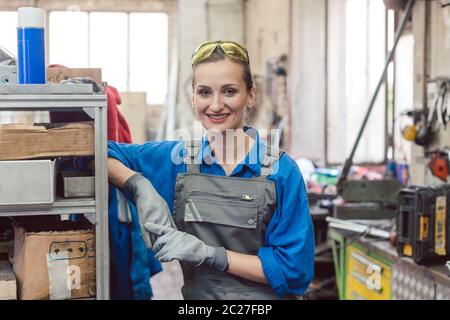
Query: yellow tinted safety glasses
230	48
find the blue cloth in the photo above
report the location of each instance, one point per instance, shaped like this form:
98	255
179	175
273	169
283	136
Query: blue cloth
288	253
132	264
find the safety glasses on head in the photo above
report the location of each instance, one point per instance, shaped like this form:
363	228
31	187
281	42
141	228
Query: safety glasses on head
230	48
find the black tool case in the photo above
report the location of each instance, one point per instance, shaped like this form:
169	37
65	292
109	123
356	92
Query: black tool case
423	223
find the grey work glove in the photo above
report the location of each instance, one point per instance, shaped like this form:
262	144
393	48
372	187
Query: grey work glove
151	207
173	244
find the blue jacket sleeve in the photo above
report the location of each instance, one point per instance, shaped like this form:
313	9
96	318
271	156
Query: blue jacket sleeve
125	153
288	254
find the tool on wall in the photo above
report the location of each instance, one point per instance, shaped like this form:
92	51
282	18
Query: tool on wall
436	117
409	132
427	123
276	91
444	3
439	163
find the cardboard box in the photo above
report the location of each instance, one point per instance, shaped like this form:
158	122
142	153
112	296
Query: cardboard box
56	75
54	260
23	141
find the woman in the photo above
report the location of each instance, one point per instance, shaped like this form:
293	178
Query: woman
241	227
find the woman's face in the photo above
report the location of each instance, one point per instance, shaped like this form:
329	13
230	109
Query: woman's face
221	95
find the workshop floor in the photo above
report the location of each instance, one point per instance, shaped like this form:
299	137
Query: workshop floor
167	284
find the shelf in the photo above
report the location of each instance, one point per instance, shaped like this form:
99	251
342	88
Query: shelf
47	89
60	206
40	102
71	98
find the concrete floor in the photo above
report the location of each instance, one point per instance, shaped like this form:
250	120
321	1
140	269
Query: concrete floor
167	284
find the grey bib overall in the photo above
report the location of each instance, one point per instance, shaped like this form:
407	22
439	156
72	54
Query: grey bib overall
228	212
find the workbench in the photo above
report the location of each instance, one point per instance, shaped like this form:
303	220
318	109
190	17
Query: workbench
371	269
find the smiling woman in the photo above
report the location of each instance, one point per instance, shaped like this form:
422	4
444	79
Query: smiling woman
241	227
221	95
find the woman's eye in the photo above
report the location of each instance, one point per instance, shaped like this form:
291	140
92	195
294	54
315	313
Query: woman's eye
230	92
203	92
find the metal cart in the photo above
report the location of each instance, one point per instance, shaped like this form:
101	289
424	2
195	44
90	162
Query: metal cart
71	97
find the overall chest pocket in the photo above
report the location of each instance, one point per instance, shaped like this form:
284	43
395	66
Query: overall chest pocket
230	221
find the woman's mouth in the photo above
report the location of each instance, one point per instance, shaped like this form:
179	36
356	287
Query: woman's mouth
217	117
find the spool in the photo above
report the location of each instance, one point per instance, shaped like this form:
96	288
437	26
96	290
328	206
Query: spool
31	46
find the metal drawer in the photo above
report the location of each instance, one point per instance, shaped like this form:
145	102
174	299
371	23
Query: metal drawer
27	183
76	184
367	277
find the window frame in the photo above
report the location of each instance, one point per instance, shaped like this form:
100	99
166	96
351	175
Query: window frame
169	7
385	103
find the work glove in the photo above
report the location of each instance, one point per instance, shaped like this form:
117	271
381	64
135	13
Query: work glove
151	207
173	244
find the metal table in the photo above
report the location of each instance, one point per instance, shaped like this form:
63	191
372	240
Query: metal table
407	281
71	97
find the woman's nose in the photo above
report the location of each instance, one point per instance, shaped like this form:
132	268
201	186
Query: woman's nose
216	104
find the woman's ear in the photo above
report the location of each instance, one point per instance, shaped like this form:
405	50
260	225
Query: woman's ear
251	99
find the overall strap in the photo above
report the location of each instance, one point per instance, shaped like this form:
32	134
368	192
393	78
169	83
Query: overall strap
193	149
271	156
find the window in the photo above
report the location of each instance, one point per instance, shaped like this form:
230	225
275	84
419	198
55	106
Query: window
355	63
404	84
149	55
108	46
68	33
8	34
130	48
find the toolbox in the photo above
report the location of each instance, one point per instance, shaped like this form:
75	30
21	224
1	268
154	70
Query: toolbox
423	223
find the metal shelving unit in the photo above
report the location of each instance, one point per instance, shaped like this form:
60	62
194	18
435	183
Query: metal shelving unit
72	97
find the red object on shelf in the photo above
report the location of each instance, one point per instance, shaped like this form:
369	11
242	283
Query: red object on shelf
118	129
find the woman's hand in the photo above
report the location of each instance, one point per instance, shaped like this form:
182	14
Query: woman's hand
173	244
151	207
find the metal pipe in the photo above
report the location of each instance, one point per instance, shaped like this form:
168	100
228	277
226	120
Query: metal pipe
355	227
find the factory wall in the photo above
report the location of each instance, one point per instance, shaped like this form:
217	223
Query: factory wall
431	28
308	76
